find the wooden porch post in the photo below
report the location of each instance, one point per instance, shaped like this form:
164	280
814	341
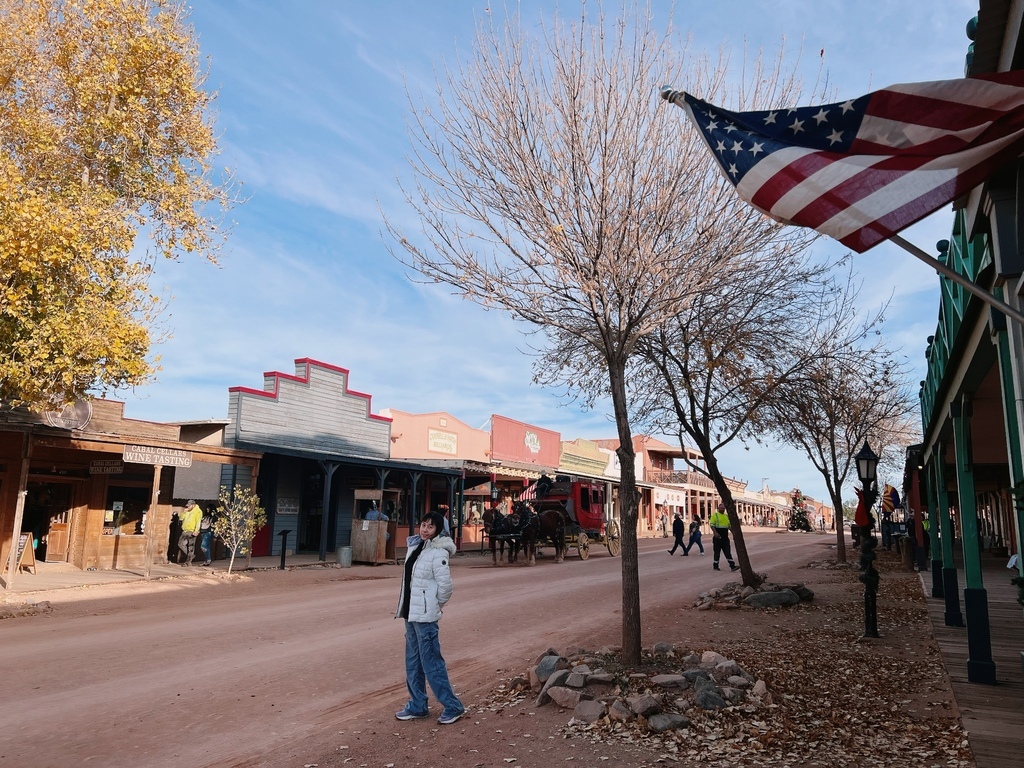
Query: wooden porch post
412	502
454	512
329	467
19	509
1012	428
931	495
980	667
150	517
950	582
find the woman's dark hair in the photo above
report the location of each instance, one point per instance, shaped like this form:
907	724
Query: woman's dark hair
437	519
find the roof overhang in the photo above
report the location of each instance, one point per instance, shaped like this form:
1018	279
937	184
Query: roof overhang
360	461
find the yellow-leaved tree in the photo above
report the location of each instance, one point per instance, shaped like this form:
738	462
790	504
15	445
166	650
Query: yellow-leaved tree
105	131
237	520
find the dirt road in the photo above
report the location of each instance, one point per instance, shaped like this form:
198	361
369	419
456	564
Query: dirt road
202	671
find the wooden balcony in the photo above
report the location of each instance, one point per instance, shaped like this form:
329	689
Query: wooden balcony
678	477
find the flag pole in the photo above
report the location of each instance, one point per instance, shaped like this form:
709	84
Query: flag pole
959	279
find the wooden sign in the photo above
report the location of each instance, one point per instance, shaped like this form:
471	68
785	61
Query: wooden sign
26	553
287	506
106	467
166	457
76	415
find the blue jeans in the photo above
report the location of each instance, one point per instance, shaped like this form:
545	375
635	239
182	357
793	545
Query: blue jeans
424	664
205	539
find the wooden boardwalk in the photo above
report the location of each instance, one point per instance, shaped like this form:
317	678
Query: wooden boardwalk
992	715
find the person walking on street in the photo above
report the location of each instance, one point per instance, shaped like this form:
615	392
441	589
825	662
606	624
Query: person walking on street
426	588
695	534
191	518
720	532
678	528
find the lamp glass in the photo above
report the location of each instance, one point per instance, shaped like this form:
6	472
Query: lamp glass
867	464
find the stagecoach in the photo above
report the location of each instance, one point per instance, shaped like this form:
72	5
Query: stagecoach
580	504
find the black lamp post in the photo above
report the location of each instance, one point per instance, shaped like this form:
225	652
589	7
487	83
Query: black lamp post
867	467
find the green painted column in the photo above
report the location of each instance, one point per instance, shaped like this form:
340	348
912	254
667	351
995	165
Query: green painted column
950	583
980	667
1002	341
933	531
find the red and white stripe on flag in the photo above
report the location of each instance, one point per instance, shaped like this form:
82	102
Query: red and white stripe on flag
918	147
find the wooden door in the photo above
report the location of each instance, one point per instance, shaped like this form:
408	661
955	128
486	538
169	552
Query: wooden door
57	542
58	537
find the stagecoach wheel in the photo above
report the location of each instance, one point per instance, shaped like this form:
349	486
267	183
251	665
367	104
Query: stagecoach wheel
583	545
611	539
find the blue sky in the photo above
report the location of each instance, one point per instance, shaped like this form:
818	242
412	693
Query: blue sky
311	112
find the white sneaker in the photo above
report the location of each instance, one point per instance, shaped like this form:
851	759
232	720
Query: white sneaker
446	719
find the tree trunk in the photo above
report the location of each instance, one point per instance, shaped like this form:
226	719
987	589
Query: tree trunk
629	517
837	505
750	579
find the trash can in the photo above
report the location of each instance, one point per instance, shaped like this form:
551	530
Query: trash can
345	557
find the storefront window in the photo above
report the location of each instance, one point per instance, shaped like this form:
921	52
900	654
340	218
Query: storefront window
125	509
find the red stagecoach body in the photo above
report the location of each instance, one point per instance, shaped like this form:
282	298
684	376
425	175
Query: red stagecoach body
583	502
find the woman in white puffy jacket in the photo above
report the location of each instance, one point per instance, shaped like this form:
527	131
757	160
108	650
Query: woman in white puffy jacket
426	587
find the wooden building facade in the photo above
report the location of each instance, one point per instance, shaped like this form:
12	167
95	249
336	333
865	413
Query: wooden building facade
89	487
327	461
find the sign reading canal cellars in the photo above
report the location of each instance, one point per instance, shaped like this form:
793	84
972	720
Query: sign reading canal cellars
166	457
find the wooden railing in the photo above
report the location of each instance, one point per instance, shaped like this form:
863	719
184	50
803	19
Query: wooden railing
678	477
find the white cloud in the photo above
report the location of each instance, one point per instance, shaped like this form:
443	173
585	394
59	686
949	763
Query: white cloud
312	108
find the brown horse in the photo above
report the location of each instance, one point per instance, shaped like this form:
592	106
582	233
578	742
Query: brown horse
500	529
546	525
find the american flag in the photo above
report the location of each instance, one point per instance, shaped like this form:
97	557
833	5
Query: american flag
863	169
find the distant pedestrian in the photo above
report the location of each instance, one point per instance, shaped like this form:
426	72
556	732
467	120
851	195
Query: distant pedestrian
191	517
695	535
664	525
678	529
720	531
206	536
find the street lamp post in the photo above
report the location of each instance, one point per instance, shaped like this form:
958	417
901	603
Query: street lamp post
867	467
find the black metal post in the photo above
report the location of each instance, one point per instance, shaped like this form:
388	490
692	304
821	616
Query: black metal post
284	541
869	576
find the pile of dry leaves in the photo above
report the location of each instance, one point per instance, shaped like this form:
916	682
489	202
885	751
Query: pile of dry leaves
835	700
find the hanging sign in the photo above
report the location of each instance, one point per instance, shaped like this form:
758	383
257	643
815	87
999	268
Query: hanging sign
106	467
166	457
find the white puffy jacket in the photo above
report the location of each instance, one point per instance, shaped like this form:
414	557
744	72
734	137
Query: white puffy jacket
431	586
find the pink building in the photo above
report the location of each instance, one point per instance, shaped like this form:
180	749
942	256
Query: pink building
496	465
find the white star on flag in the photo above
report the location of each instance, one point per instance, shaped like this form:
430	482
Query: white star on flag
879	162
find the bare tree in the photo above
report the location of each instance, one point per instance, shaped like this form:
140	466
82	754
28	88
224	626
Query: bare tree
711	372
551	184
850	393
